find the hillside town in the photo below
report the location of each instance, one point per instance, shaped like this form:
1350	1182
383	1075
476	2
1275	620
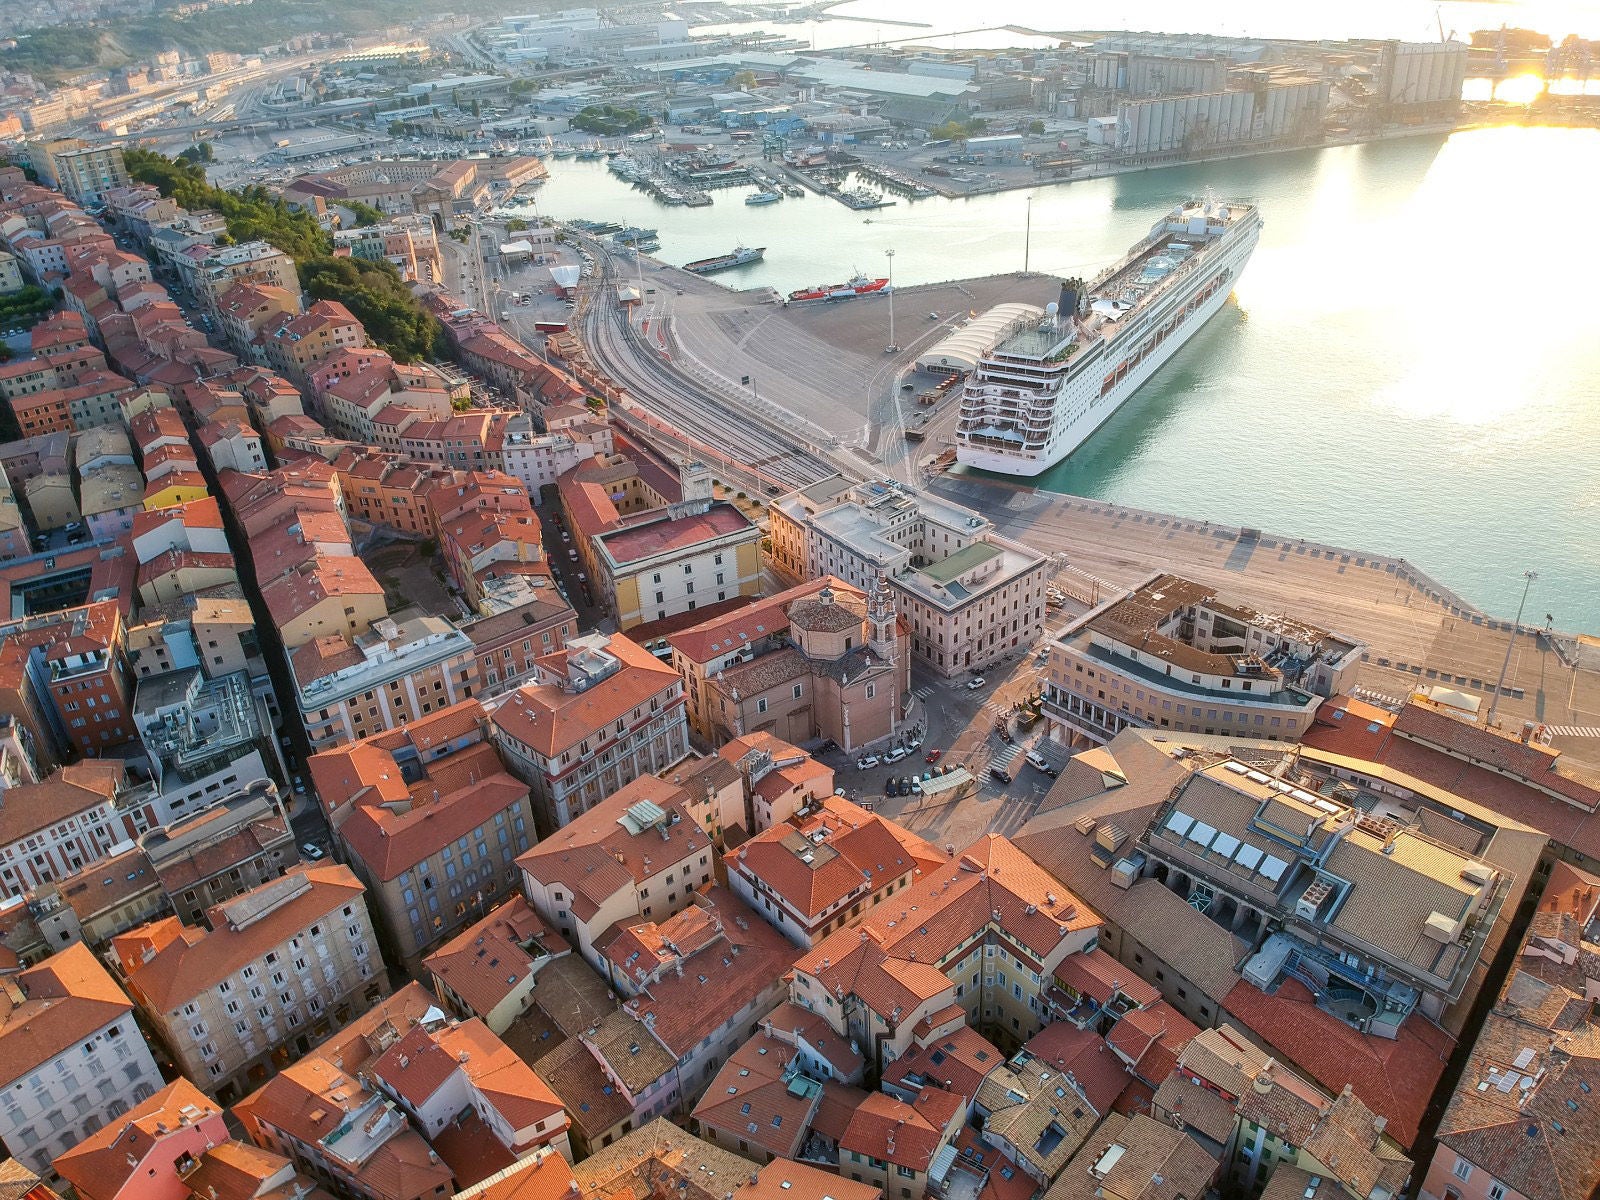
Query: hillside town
427	774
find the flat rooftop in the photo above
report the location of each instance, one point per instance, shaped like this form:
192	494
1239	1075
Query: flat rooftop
667	535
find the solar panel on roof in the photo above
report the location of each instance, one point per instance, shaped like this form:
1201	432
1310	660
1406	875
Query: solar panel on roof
1202	833
1179	822
1236	767
1225	844
1256	777
1273	868
1247	856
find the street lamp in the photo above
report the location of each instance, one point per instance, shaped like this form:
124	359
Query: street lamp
891	347
1527	581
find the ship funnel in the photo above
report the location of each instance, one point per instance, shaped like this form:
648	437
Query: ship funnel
1071	298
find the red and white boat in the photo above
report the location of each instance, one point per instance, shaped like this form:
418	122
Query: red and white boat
858	286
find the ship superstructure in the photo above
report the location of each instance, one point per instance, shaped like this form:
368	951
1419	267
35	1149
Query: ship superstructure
1046	385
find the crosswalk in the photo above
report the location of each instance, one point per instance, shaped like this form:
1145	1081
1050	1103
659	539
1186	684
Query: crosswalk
1586	731
922	693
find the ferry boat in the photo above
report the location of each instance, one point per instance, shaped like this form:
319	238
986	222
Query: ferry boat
723	262
763	197
1046	385
860	285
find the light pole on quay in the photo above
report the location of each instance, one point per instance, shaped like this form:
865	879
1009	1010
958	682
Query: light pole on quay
891	347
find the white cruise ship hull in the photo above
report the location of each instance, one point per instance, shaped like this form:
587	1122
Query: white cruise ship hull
1080	407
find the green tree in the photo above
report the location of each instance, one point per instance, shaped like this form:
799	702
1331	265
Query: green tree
745	79
516	225
397	128
1036	127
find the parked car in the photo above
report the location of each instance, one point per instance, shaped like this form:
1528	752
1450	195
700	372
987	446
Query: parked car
867	760
932	756
976	682
312	851
896	755
916	786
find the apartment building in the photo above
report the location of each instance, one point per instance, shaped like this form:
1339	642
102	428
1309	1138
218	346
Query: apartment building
490	969
294	343
891	1145
403	668
246	309
1172	655
824	866
144	1154
209	271
280	966
203	736
698	983
431	821
71	1056
66	678
1533	1075
596	714
82	172
971	596
509	641
407	242
441	1069
654	562
987	937
238	843
637	855
53	828
1281	1123
326	1114
1136	1158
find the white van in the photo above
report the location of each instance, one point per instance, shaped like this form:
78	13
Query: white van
1040	763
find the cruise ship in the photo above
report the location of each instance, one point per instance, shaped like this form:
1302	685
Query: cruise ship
1047	385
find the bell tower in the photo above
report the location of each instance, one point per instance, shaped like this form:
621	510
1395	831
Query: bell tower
881	616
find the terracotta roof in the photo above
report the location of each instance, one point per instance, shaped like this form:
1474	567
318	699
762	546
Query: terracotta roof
1395	1077
782	1180
66	791
661	1159
1199	1108
551	720
670	535
762	619
486	961
106	1161
957	1062
188	961
750	1098
1084	1056
441	808
236	1170
1099	976
1157	1162
597	852
592	1102
70	996
1151	1039
541	1176
19	1183
817	861
735	969
906	1135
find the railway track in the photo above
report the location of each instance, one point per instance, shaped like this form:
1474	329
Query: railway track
679	410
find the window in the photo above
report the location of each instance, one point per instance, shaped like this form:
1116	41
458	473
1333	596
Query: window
1497	1191
1462	1170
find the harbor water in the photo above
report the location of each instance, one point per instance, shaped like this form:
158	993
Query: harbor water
1410	365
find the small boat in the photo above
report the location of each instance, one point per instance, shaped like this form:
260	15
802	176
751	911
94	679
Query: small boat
763	197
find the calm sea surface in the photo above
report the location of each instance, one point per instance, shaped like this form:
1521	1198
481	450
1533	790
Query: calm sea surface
1411	364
